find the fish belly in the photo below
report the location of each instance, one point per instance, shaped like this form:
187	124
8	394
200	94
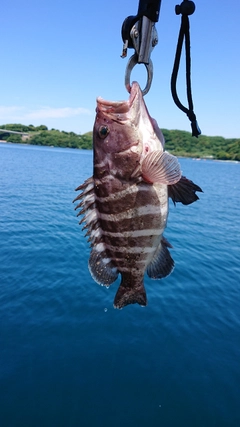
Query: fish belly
132	219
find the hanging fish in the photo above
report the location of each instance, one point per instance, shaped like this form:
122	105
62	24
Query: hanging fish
125	203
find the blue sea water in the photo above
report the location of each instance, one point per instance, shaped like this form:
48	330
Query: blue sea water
67	357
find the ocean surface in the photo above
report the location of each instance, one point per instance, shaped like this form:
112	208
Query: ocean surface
67	357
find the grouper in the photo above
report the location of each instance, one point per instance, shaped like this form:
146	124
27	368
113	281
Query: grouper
125	202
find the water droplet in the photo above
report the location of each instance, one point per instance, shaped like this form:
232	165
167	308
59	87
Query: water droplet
105	309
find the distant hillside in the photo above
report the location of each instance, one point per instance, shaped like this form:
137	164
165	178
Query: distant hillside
40	135
179	143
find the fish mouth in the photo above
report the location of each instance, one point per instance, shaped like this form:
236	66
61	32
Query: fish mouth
133	111
121	108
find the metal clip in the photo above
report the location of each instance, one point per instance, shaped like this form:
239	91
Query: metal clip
131	64
144	38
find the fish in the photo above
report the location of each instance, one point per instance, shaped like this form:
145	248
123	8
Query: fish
124	204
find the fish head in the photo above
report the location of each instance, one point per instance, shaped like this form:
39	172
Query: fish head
125	128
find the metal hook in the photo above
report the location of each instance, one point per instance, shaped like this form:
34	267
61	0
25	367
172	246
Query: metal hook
131	64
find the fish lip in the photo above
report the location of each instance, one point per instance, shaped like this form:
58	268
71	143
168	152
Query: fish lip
120	107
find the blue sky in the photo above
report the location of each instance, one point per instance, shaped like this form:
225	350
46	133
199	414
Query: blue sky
58	56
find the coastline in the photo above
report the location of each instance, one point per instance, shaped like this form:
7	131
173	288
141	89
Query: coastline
203	158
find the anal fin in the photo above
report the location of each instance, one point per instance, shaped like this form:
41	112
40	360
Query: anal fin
162	263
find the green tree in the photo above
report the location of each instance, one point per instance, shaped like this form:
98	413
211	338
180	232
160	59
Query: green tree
14	138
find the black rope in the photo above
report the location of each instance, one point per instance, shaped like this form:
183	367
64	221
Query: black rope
186	8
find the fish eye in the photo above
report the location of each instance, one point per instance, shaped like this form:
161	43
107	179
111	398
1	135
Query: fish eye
103	131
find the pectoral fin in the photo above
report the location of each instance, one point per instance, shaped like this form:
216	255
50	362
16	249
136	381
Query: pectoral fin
184	191
161	168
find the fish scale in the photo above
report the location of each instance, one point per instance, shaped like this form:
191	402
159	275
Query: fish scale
125	204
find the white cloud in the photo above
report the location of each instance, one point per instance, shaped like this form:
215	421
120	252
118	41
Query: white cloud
15	113
11	111
56	113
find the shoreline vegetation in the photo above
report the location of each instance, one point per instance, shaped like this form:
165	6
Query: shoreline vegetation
179	143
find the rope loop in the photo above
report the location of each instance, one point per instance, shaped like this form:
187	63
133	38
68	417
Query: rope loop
185	8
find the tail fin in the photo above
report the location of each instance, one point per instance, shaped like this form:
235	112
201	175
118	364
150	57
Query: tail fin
130	294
